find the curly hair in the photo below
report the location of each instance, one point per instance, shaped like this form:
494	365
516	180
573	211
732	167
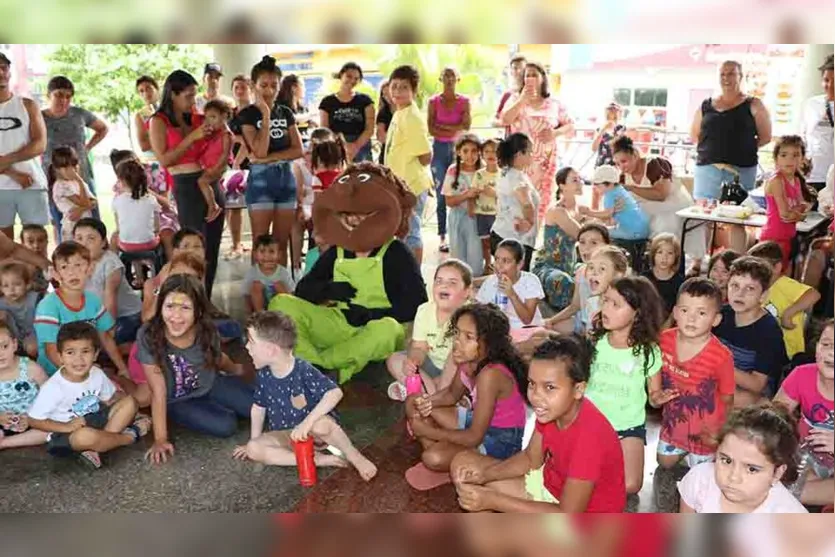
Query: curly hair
493	329
772	428
642	296
206	334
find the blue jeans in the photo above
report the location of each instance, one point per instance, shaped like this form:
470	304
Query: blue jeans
363	154
217	413
707	180
443	155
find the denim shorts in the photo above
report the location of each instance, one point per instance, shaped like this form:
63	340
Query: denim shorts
271	186
414	239
58	444
639	432
126	328
666	449
484	225
707	180
31	205
499	442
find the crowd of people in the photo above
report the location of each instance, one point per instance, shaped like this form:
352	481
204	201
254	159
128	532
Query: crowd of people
94	354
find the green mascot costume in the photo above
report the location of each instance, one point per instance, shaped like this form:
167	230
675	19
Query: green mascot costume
349	309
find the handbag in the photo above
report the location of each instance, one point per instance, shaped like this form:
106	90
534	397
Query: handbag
733	193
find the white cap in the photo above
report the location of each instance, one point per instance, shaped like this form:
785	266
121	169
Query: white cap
606	173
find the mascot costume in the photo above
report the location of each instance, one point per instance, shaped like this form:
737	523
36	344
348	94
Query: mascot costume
349	309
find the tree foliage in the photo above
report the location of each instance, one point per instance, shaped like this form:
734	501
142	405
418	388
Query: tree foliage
105	75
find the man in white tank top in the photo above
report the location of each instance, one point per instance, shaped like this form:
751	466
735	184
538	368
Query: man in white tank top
23	188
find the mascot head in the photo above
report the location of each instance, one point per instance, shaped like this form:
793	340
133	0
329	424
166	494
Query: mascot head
365	207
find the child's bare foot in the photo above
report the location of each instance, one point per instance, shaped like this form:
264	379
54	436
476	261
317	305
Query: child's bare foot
327	460
214	212
367	470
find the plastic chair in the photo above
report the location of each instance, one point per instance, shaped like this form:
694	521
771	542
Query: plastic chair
150	261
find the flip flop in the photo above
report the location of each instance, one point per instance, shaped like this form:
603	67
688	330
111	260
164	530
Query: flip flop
422	478
90	459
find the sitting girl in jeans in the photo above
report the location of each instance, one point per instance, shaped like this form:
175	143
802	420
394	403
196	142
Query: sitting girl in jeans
179	350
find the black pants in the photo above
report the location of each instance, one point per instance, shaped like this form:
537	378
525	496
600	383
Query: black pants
192	211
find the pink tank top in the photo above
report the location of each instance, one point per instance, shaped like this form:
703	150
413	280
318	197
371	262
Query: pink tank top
174	136
775	228
448	117
510	411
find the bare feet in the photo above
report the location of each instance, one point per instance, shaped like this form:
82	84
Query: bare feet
367	470
327	460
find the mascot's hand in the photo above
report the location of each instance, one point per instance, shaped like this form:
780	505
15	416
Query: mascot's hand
358	316
341	292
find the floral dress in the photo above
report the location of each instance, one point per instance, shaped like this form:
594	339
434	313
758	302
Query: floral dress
533	121
554	267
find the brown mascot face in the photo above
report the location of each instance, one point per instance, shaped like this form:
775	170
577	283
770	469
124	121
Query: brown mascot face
364	208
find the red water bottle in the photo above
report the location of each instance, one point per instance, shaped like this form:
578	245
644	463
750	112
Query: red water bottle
305	461
413	384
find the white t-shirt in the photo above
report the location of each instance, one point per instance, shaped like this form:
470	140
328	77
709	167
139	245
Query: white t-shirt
699	491
818	133
127	299
62	401
281	275
135	218
509	209
527	287
758	535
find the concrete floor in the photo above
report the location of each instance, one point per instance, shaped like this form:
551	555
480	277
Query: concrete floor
203	477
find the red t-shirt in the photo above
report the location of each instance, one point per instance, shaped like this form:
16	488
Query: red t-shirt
700	381
587	450
802	387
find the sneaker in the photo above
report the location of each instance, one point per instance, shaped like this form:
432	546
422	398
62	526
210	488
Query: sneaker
91	459
397	392
444	248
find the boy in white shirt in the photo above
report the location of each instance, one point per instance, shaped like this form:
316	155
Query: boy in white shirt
79	405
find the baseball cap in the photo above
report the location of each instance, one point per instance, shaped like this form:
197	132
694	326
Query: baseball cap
5	59
606	173
214	67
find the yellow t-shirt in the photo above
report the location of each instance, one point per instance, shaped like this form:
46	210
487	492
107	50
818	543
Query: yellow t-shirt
427	329
781	296
484	204
408	139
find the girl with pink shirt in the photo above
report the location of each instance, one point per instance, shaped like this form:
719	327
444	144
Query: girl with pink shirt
787	198
483	408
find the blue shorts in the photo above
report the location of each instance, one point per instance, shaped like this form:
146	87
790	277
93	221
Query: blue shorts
31	205
126	328
639	432
414	240
271	186
707	180
499	442
484	225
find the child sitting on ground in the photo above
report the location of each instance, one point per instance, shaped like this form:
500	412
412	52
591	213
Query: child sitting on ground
665	273
699	369
573	463
20	380
428	353
19	303
787	300
631	228
215	157
490	372
35	238
811	389
755	457
294	399
108	282
79	405
266	278
752	334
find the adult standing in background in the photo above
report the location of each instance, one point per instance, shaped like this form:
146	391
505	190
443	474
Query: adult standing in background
176	130
212	79
22	140
148	90
448	116
385	112
66	126
350	113
728	130
235	204
819	127
517	70
291	94
534	112
602	143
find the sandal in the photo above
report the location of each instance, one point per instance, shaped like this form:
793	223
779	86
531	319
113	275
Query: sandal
139	428
397	392
90	459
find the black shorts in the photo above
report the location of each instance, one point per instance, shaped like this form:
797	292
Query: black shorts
59	445
639	432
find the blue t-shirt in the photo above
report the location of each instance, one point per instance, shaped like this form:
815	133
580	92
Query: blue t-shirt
52	312
290	399
632	222
757	347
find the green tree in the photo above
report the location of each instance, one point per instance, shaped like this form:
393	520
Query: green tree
105	75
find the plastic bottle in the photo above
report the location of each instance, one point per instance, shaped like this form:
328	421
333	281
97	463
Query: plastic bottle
305	462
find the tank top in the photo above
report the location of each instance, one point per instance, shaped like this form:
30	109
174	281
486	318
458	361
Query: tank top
448	117
775	228
509	412
174	136
14	134
727	137
17	395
